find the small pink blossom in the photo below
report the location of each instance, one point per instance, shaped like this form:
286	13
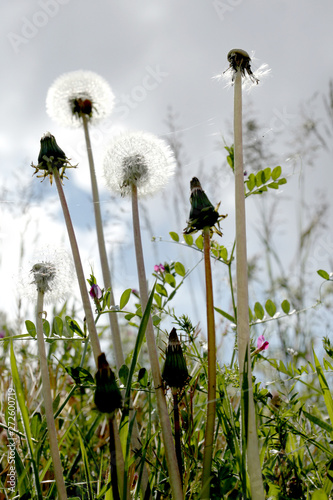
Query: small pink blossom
95	292
262	344
159	268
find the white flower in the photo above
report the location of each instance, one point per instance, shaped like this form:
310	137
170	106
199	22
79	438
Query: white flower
77	91
138	158
51	272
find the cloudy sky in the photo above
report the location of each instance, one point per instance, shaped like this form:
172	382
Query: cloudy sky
155	55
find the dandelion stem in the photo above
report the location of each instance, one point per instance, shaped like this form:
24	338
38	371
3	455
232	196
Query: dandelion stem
79	269
211	403
163	413
243	328
113	461
116	340
177	433
48	404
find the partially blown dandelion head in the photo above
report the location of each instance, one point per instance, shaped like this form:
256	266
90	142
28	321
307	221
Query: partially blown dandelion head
79	93
138	159
52	274
239	60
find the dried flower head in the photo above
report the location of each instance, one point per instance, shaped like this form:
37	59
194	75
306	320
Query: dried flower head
175	373
107	394
51	156
240	60
202	213
52	273
139	159
77	93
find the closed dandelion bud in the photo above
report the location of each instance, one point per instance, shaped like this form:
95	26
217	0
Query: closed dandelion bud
107	395
202	213
175	373
50	149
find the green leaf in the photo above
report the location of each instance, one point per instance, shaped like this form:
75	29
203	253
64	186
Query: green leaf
174	236
267	174
276	173
58	326
79	375
285	306
225	315
273	185
223	253
73	327
282	181
188	238
158	300
170	279
46	327
324	387
161	290
123	374
260	178
251	182
259	310
180	269
31	329
199	242
317	421
319	495
323	274
270	307
125	296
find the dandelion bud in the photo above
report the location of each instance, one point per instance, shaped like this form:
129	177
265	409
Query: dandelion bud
107	395
202	213
50	149
175	372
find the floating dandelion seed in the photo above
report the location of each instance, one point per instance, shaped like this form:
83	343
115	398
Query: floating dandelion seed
51	273
77	93
139	159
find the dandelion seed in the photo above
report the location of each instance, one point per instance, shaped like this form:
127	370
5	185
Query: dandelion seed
51	273
77	93
139	159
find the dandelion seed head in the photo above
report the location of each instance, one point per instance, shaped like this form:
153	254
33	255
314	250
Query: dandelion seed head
51	273
79	92
140	159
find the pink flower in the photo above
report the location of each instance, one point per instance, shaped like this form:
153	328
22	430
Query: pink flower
262	344
95	292
159	268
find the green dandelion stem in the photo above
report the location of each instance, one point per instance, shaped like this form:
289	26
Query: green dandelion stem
211	403
79	269
170	453
243	328
117	346
48	403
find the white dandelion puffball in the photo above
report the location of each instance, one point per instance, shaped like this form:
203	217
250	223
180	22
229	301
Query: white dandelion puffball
140	159
79	92
51	272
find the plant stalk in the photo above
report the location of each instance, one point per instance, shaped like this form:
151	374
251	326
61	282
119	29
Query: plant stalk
116	339
113	462
211	395
48	404
170	453
243	327
113	319
177	433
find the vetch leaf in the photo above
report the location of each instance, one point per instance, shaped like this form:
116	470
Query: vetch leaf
174	236
225	315
285	306
259	310
161	290
180	269
267	173
31	329
73	327
188	239
251	182
46	327
323	274
58	326
276	173
199	242
170	279
270	307
125	296
123	374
